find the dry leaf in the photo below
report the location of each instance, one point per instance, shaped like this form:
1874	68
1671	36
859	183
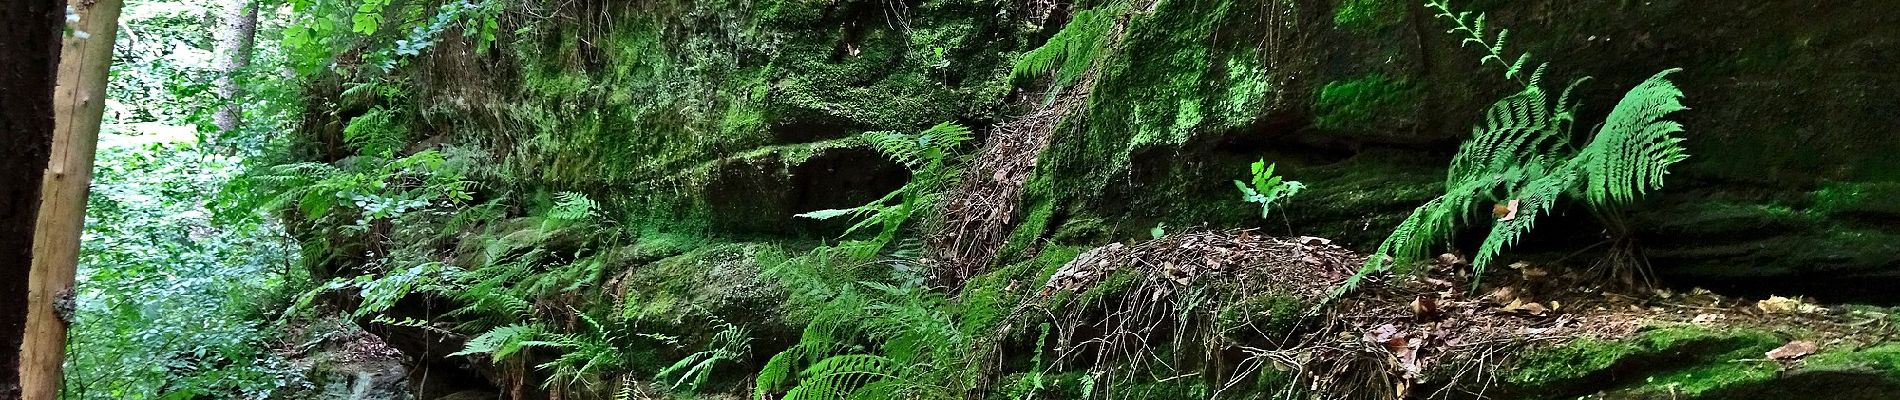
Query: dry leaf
1425	307
1313	241
1532	273
1704	319
1503	295
1521	307
1784	305
1452	260
1506	211
1792	350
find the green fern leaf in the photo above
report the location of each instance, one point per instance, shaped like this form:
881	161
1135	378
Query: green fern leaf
1636	146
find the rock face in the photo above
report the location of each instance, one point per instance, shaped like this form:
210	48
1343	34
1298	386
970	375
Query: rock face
730	127
1363	100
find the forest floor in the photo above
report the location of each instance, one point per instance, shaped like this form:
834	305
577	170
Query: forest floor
1431	332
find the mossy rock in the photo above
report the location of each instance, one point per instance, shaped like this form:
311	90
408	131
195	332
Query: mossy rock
1694	362
684	294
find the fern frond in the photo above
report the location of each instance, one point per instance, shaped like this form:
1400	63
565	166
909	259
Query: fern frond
571	206
838	376
1636	146
777	372
1537	197
501	342
1071	51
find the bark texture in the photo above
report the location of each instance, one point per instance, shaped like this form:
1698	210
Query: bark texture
236	38
29	49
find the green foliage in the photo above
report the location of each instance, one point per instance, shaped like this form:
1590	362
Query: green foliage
386	190
1523	151
1368	15
1072	51
173	284
867	339
1476	34
376	133
1267	188
732	344
503	341
318	29
928	155
1357	103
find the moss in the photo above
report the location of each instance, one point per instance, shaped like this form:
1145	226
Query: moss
1115	283
1884	357
1369	15
1710	377
1862	198
989	299
1671	359
1196	71
712	281
1358	103
1270	313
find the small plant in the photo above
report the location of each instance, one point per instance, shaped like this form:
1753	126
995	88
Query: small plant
1267	188
928	155
1522	159
732	344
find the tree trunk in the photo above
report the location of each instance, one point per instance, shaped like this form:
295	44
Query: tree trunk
29	51
85	59
236	38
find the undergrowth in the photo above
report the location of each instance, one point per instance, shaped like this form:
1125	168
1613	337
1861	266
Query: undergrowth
1523	158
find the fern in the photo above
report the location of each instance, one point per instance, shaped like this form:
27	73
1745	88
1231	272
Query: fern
573	207
838	377
731	344
1071	51
1521	149
376	133
501	342
868	340
927	155
1636	146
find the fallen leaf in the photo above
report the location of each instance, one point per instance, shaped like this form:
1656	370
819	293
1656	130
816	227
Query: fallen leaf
1503	295
1785	305
1792	350
1425	307
1506	211
1521	307
1452	260
1532	273
1705	319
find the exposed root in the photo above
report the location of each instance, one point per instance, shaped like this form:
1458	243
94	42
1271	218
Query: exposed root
979	214
1186	314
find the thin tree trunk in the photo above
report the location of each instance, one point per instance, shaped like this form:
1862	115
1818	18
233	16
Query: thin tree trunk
78	103
236	38
29	53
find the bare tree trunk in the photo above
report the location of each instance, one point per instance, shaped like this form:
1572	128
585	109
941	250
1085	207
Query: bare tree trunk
29	53
85	59
236	38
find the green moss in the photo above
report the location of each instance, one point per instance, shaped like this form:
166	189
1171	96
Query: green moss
711	281
1358	103
1114	284
1883	357
1866	198
1270	313
1369	15
1196	72
1710	377
1657	345
1686	356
